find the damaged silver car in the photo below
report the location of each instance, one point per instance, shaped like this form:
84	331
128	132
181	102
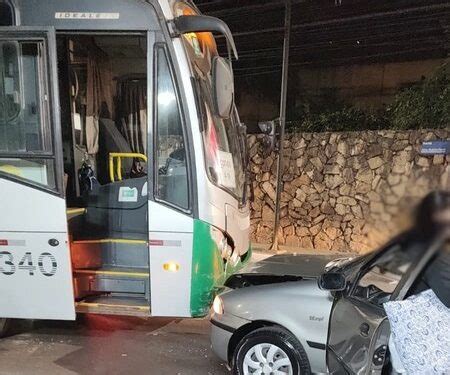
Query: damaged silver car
302	314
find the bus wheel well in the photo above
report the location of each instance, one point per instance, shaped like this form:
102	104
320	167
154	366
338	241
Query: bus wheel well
241	332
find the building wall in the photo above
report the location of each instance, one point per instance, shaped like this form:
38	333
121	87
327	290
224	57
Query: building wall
365	86
347	191
258	99
368	87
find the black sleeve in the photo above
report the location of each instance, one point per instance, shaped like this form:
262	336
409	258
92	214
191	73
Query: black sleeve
437	276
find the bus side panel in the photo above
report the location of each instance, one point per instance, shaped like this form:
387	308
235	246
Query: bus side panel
170	246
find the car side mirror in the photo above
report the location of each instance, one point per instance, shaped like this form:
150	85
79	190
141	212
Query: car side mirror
266	127
269	129
332	281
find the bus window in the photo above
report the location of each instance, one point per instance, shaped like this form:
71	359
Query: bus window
172	178
24	132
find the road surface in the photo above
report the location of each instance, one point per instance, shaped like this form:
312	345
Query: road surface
110	345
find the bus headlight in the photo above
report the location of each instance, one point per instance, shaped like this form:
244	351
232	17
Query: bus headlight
218	306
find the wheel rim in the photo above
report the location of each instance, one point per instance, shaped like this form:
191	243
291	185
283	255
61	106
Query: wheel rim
267	359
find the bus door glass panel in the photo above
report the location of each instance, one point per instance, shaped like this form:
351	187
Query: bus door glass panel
24	132
171	163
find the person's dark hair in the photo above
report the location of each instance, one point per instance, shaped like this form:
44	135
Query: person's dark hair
430	205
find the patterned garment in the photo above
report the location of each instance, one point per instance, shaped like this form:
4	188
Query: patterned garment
420	327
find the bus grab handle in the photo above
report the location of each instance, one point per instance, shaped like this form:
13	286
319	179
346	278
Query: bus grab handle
119	156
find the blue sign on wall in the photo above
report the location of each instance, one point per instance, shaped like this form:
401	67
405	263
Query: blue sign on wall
435	148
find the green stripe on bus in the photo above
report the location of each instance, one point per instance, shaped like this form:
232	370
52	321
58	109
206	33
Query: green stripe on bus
207	269
209	272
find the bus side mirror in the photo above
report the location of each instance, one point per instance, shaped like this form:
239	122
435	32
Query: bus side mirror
332	281
222	74
200	23
223	86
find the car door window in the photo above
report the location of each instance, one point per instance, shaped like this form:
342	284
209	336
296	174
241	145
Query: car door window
383	276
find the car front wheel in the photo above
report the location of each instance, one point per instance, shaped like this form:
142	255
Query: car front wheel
4	326
270	350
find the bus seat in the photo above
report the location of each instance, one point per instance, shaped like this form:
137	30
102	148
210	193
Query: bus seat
111	140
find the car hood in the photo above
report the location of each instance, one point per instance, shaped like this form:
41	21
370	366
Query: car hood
285	267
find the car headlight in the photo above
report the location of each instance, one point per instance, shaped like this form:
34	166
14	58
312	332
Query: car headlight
218	306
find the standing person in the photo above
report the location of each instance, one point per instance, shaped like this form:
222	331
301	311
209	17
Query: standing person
419	343
434	219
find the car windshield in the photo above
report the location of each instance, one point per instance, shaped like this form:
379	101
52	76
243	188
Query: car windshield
345	264
222	138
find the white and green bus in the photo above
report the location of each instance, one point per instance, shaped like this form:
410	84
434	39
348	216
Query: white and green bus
122	160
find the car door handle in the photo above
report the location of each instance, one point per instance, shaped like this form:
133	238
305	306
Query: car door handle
364	329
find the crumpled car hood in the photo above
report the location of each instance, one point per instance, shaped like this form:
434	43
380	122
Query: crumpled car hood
283	268
306	265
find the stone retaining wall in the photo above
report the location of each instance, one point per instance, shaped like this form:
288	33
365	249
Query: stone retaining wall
344	191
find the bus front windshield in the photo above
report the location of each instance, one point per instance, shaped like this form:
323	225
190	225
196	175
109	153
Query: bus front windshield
222	138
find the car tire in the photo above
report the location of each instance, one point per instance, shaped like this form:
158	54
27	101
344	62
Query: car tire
4	326
264	340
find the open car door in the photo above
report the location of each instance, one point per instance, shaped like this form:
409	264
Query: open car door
35	268
359	329
357	338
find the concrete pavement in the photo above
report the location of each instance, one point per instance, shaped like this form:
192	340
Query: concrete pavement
99	344
110	345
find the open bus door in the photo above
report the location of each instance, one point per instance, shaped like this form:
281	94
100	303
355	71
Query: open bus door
35	268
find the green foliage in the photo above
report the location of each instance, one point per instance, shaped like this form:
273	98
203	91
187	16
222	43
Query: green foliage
328	113
425	105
